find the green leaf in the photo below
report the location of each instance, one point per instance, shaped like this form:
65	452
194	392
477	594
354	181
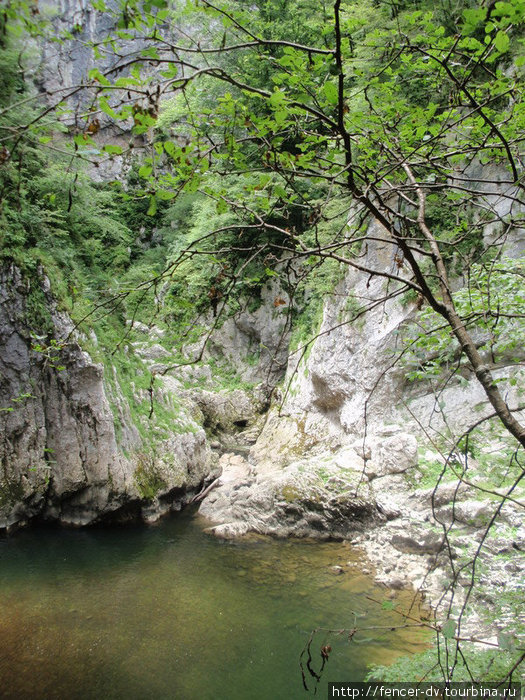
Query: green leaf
449	629
501	41
222	207
126	82
387	605
331	93
145	171
113	150
280	117
152	210
103	104
150	52
96	75
473	17
270	273
277	99
165	194
83	140
506	641
172	149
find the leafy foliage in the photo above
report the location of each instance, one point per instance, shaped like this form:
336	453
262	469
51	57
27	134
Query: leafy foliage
488	666
492	306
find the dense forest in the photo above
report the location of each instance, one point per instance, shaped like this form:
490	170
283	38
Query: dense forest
293	226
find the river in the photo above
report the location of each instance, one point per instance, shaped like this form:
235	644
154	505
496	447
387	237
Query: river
139	613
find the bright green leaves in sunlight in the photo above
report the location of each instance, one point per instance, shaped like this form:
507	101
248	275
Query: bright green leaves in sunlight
493	309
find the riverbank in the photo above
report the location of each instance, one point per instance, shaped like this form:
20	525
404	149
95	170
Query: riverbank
425	539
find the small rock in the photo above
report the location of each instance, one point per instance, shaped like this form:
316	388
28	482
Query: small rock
396	583
442	494
392	455
152	352
337	570
423	542
473	513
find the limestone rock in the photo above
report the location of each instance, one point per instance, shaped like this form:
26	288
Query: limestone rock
226	411
473	513
255	341
60	458
152	352
415	539
443	494
316	497
391	454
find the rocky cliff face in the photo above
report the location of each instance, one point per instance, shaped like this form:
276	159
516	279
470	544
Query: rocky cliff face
59	454
353	385
62	74
65	65
256	342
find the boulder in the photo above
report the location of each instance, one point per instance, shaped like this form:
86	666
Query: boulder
470	512
388	454
323	496
414	538
442	494
226	411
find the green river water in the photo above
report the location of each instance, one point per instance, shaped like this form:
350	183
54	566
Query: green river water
139	613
